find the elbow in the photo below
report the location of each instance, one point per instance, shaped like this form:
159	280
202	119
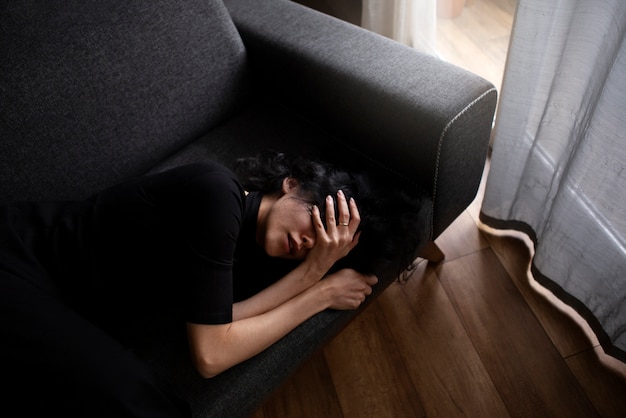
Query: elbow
207	373
209	350
208	367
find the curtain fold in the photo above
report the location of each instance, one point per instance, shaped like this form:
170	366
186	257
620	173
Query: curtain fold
558	166
411	22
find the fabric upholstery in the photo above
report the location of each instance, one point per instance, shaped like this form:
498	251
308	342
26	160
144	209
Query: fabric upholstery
238	391
396	106
265	125
92	92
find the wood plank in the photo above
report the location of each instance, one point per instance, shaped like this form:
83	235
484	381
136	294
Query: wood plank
455	46
445	369
485	21
567	330
507	6
369	375
432	253
527	369
478	39
348	10
259	413
462	237
604	380
309	393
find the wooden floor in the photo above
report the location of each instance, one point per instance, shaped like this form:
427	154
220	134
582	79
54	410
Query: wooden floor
473	336
478	39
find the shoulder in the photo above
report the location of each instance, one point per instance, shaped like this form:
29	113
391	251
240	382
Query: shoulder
207	176
199	183
199	170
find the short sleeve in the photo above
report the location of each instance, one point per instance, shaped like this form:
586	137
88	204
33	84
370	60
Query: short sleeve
176	232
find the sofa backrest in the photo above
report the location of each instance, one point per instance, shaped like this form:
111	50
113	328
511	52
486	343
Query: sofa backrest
94	91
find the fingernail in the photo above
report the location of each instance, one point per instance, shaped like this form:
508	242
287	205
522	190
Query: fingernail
340	192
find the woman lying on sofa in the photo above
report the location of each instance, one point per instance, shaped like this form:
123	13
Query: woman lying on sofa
84	284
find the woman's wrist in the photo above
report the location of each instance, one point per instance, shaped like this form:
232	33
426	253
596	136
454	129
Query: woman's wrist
319	292
313	271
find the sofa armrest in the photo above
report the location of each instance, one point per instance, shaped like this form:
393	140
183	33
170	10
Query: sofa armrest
423	118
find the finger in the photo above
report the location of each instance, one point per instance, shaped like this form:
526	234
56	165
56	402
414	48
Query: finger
355	215
371	280
317	221
331	222
367	291
344	210
355	240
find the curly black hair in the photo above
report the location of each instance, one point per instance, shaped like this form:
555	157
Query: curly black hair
392	221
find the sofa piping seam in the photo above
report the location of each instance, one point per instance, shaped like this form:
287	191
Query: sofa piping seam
439	146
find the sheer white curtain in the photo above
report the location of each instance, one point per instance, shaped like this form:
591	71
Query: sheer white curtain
558	167
411	22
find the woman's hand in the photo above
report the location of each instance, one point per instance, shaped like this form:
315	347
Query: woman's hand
340	235
331	244
347	288
215	348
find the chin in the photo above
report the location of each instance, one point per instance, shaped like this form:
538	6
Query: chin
276	253
272	251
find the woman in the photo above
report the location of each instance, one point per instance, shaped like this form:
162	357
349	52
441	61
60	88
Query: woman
86	284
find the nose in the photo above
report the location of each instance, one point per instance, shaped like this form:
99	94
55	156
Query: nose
307	242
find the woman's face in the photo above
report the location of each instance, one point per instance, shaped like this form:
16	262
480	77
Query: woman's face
285	226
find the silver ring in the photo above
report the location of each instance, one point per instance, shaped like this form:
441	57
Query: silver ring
343	224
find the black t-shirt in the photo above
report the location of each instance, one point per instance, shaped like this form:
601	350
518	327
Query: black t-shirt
167	242
157	251
253	269
178	245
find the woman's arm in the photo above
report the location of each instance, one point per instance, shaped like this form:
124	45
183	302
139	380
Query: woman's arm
215	348
266	317
305	275
331	244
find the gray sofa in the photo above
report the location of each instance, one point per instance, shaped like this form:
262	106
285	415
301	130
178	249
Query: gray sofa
93	92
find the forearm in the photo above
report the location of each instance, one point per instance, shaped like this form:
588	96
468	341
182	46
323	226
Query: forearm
219	347
215	348
295	282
